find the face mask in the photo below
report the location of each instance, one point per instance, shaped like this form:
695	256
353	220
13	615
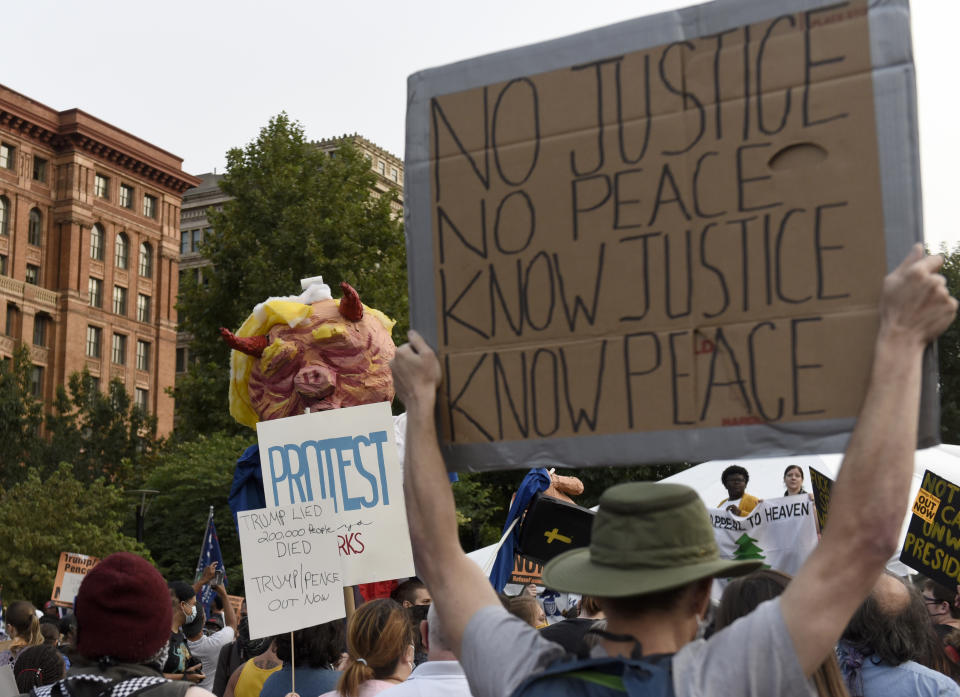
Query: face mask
191	617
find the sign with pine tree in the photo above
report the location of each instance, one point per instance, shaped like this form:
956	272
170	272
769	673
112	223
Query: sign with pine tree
747	548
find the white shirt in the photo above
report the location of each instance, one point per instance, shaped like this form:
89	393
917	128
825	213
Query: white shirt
433	679
207	649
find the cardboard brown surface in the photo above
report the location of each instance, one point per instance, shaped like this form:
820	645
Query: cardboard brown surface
727	239
684	237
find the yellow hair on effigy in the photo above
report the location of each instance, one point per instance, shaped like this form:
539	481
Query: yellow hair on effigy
259	322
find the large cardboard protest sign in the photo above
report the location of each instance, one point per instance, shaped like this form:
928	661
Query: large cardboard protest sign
780	531
678	223
932	544
347	460
291	567
70	572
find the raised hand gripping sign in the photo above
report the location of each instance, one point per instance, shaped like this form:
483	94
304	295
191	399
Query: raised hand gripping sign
346	461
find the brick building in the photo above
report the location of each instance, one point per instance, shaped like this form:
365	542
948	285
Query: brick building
89	249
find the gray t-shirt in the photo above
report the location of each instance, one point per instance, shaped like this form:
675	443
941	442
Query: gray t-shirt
753	657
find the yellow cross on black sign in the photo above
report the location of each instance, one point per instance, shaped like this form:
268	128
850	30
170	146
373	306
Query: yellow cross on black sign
554	534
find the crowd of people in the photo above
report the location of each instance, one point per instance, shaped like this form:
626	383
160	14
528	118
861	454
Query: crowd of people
902	640
646	625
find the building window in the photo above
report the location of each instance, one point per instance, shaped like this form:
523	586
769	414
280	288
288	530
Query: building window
94	341
126	196
13	319
143	355
381	167
33	275
7	153
94	384
3	265
96	242
394	174
181	360
118	349
95	291
190	240
119	300
143	307
150	206
146	260
101	186
39	169
141	398
40	323
4	215
36	381
121	250
35	228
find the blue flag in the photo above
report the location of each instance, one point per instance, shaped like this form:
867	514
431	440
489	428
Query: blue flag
246	492
209	553
537	480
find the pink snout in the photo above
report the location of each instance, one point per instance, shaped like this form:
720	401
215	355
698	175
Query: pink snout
315	382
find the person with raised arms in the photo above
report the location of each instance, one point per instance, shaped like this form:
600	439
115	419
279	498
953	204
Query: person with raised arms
652	555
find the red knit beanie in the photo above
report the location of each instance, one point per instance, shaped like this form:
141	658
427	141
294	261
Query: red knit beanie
123	610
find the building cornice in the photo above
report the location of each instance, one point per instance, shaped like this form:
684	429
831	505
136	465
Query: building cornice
74	129
360	140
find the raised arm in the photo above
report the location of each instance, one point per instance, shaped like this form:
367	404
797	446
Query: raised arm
229	616
871	494
209	572
457	585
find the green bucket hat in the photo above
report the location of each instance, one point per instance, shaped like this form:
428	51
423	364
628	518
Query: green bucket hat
646	538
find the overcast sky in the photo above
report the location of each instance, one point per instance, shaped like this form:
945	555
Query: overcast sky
197	78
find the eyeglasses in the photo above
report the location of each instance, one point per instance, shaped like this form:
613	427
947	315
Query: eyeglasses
930	601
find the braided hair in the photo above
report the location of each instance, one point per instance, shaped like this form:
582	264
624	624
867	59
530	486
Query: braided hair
36	666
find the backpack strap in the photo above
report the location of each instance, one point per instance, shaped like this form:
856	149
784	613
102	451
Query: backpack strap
602	676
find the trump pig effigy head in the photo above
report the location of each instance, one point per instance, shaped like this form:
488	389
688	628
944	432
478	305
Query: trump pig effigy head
309	352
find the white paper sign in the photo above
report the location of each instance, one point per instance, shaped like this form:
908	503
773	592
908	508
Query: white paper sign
291	569
347	460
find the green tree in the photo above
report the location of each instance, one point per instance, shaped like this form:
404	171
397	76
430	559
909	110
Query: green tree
192	476
100	434
295	212
44	516
21	415
948	349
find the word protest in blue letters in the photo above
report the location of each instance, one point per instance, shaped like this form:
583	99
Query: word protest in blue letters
346	460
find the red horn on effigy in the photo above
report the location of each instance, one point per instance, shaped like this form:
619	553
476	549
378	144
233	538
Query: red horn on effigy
350	305
250	345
